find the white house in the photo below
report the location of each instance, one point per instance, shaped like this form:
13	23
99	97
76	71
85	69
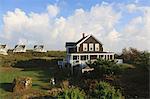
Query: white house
39	48
19	49
87	48
3	50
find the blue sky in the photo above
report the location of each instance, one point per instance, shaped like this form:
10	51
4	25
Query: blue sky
66	13
67	6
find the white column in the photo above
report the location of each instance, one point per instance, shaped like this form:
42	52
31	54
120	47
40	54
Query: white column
113	57
97	56
88	57
79	59
77	48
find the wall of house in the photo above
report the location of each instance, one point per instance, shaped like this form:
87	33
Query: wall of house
88	41
72	50
82	58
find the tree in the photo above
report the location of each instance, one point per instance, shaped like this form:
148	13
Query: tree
134	56
145	59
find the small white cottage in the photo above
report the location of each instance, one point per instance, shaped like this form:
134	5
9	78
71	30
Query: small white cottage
19	48
3	50
39	48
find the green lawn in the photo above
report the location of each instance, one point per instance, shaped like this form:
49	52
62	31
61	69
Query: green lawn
40	70
39	77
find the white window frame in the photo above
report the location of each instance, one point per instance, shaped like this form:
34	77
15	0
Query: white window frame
97	47
85	48
91	45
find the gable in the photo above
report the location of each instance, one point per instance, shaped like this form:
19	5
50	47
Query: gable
2	46
38	46
20	47
81	39
91	42
91	39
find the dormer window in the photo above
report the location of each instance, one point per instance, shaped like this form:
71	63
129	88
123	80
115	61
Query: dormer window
91	48
96	47
85	47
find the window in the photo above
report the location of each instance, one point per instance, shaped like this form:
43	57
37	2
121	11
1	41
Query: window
100	56
105	57
91	47
97	47
110	56
84	46
75	57
83	57
71	50
93	57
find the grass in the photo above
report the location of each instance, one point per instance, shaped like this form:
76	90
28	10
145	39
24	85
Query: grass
7	76
40	69
133	81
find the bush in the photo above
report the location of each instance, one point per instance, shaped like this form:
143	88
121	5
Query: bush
72	93
104	90
65	84
106	67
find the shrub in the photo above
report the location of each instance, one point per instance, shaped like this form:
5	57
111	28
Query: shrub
65	84
72	93
105	67
104	90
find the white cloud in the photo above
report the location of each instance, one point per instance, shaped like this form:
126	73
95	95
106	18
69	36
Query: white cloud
113	36
53	31
53	10
131	7
137	31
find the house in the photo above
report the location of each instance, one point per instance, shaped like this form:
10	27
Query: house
87	48
3	50
39	48
19	49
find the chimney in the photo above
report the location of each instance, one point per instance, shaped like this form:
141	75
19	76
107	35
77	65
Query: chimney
83	34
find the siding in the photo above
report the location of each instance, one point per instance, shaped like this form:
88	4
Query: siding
91	40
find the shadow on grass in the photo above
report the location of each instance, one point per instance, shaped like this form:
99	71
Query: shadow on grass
6	86
36	63
46	68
